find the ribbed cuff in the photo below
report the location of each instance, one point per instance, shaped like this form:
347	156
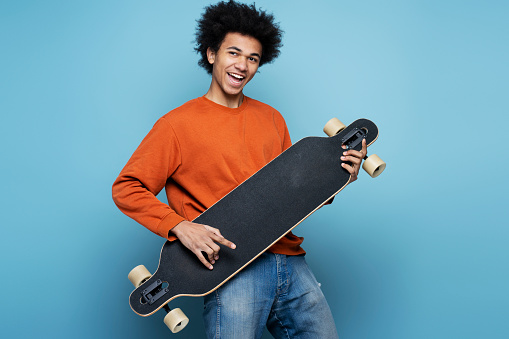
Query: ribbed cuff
167	223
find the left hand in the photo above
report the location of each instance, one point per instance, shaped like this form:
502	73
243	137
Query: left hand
355	158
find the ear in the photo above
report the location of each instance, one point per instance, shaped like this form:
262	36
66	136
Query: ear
211	55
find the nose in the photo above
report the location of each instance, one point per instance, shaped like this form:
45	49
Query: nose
241	64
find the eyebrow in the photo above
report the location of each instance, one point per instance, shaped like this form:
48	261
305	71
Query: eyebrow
239	50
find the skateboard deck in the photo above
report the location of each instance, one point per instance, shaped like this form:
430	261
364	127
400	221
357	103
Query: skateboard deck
255	215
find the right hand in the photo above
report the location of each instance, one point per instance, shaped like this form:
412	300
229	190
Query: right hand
201	239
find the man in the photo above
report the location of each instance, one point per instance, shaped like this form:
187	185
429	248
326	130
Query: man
201	151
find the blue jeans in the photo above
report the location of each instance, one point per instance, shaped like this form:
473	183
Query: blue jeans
276	291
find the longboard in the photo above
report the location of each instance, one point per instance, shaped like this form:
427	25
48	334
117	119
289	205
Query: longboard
254	216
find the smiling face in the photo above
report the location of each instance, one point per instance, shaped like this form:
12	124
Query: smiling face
234	65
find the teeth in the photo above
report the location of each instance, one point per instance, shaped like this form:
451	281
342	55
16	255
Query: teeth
236	76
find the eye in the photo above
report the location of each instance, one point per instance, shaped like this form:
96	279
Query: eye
233	53
253	59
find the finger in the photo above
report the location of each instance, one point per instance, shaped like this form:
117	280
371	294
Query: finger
354	153
349	168
364	148
214	255
354	160
225	242
204	261
209	253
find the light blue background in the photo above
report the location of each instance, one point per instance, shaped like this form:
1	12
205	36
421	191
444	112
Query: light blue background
420	252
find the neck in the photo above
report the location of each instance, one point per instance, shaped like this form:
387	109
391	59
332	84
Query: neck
228	100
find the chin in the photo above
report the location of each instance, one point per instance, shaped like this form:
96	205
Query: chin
235	91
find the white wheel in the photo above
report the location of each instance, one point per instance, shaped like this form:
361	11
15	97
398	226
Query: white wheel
176	320
333	127
373	165
139	275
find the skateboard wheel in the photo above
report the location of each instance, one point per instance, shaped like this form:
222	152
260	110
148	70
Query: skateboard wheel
176	320
139	275
333	127
373	165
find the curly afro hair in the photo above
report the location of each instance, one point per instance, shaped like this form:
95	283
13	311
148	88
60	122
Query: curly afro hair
234	17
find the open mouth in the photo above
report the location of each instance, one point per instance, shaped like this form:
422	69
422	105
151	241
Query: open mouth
236	79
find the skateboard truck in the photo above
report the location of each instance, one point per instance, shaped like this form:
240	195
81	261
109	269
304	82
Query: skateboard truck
154	292
176	320
354	138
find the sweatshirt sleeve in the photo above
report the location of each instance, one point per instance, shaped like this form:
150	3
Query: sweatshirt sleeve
145	175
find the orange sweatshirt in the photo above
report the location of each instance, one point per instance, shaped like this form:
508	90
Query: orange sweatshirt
199	152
